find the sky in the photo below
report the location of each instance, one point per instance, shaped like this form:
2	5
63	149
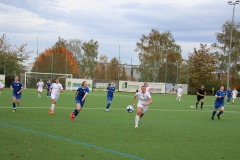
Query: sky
116	25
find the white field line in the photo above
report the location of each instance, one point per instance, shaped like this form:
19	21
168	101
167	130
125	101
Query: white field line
165	110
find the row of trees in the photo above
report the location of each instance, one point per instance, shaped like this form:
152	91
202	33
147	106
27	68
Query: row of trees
159	55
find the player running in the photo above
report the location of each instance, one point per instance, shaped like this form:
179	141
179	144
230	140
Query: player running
219	102
148	89
55	89
110	90
17	88
229	94
1	87
144	100
48	85
200	96
80	97
234	95
40	85
179	93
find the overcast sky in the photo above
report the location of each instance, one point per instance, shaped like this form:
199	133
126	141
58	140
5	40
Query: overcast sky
113	22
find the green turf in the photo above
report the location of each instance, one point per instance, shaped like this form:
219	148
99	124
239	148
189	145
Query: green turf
169	130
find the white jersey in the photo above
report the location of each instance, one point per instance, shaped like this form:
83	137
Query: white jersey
56	88
234	93
148	89
40	85
143	98
1	85
179	91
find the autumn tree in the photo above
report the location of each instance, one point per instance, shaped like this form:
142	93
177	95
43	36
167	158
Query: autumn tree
56	60
154	50
113	69
202	64
88	62
101	68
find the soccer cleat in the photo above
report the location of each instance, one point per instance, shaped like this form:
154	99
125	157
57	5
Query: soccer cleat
51	111
196	107
136	126
107	110
227	103
218	117
72	116
212	118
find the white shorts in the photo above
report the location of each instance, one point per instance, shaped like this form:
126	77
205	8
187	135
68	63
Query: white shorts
144	108
234	96
179	95
40	89
55	96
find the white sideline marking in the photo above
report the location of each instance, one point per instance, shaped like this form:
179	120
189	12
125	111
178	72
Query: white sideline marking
167	110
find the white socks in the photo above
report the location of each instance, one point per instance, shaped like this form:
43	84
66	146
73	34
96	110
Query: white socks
136	120
52	107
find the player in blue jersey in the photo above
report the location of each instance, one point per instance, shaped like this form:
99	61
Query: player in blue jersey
229	94
110	90
48	86
17	88
219	102
80	97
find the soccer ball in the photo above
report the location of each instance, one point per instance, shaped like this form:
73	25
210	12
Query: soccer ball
130	109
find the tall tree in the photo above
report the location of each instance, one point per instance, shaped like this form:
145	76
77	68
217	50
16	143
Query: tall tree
12	57
101	68
56	60
75	46
90	53
114	69
222	51
153	51
202	64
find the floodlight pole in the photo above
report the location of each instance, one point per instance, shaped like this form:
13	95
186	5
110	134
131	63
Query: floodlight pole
230	47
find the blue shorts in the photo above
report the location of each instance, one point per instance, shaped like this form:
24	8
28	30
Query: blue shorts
17	96
109	99
80	102
217	105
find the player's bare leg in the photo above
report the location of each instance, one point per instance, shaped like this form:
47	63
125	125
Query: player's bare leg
14	103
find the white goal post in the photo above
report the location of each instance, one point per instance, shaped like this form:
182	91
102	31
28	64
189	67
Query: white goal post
31	78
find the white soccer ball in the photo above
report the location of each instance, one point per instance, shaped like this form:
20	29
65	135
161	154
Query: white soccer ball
130	109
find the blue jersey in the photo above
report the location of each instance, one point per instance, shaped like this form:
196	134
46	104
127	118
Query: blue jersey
222	94
81	92
110	89
229	93
17	86
48	85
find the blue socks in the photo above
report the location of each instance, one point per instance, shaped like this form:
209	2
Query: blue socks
108	105
14	105
220	112
213	113
75	112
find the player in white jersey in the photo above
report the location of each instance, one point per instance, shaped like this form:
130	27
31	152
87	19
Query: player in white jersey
40	85
234	95
179	94
55	89
144	100
148	89
1	87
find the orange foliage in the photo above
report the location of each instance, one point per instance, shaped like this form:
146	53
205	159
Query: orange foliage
54	61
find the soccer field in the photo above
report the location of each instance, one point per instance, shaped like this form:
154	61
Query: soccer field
169	130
